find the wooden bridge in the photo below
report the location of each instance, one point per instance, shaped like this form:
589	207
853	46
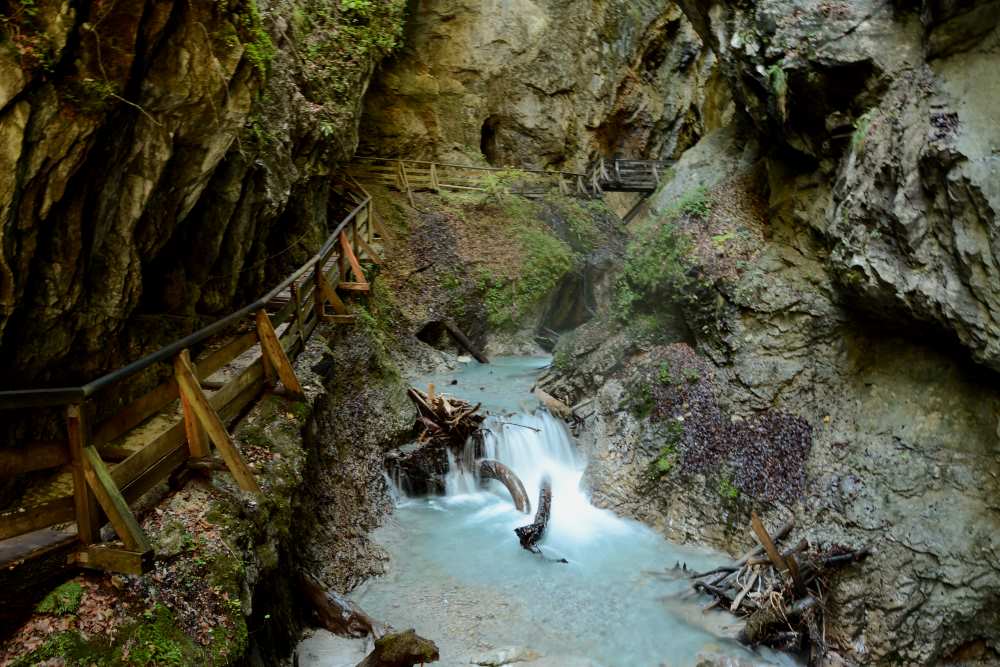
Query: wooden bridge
408	176
99	470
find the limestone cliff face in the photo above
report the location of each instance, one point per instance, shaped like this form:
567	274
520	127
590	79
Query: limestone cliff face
896	106
544	83
154	154
868	307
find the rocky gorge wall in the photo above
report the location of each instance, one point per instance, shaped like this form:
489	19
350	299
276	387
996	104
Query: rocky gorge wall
544	84
858	296
162	161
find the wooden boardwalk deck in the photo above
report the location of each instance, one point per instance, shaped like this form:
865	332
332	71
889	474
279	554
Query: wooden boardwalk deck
94	476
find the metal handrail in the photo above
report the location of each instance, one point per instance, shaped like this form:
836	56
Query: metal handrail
35	398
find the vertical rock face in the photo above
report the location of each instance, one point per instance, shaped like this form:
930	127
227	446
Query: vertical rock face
544	83
149	152
869	309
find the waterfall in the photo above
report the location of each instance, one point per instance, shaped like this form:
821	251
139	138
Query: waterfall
533	446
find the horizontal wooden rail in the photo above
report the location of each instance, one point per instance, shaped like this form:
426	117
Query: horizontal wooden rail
281	322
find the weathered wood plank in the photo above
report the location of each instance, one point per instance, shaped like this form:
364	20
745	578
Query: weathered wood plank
194	433
115	506
33	456
25	520
275	354
348	250
371	254
136	413
225	354
88	525
112	559
217	431
354	287
329	295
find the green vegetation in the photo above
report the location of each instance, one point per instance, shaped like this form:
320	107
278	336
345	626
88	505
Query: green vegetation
257	44
23	33
667	459
692	375
157	641
64	599
778	81
545	260
340	41
861	126
639	399
727	490
665	377
657	263
499	184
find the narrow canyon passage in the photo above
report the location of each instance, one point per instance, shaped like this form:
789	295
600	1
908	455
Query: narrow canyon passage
458	574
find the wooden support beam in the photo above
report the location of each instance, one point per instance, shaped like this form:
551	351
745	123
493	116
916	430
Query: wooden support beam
371	254
329	295
111	559
271	348
348	251
110	498
354	287
216	429
88	523
193	430
297	313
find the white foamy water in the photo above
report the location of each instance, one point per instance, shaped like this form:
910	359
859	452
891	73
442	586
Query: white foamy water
459	576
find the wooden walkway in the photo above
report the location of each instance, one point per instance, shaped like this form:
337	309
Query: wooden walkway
409	176
94	475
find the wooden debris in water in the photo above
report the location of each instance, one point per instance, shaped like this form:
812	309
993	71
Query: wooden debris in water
531	534
779	591
445	420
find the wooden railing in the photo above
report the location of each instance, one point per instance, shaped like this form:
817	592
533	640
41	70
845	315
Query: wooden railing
413	175
627	175
107	477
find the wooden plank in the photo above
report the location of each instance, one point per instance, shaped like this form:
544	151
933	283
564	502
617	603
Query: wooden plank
272	350
193	431
330	295
33	456
354	287
217	431
23	520
339	319
115	506
371	254
136	413
225	354
155	474
132	467
88	525
112	559
345	247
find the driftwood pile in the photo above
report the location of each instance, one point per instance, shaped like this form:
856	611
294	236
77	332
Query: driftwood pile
445	420
780	592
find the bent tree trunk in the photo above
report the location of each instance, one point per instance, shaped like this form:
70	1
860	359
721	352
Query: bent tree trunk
490	469
531	534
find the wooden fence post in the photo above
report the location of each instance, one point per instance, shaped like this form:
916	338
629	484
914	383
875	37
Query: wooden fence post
87	520
345	250
297	315
271	348
196	437
115	506
209	418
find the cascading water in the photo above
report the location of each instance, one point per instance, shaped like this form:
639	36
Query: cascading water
459	576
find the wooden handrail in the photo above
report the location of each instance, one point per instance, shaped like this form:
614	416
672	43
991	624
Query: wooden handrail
467	166
33	398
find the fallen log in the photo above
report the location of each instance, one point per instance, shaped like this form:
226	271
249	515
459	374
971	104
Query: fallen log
335	612
531	534
401	649
554	405
464	341
489	469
